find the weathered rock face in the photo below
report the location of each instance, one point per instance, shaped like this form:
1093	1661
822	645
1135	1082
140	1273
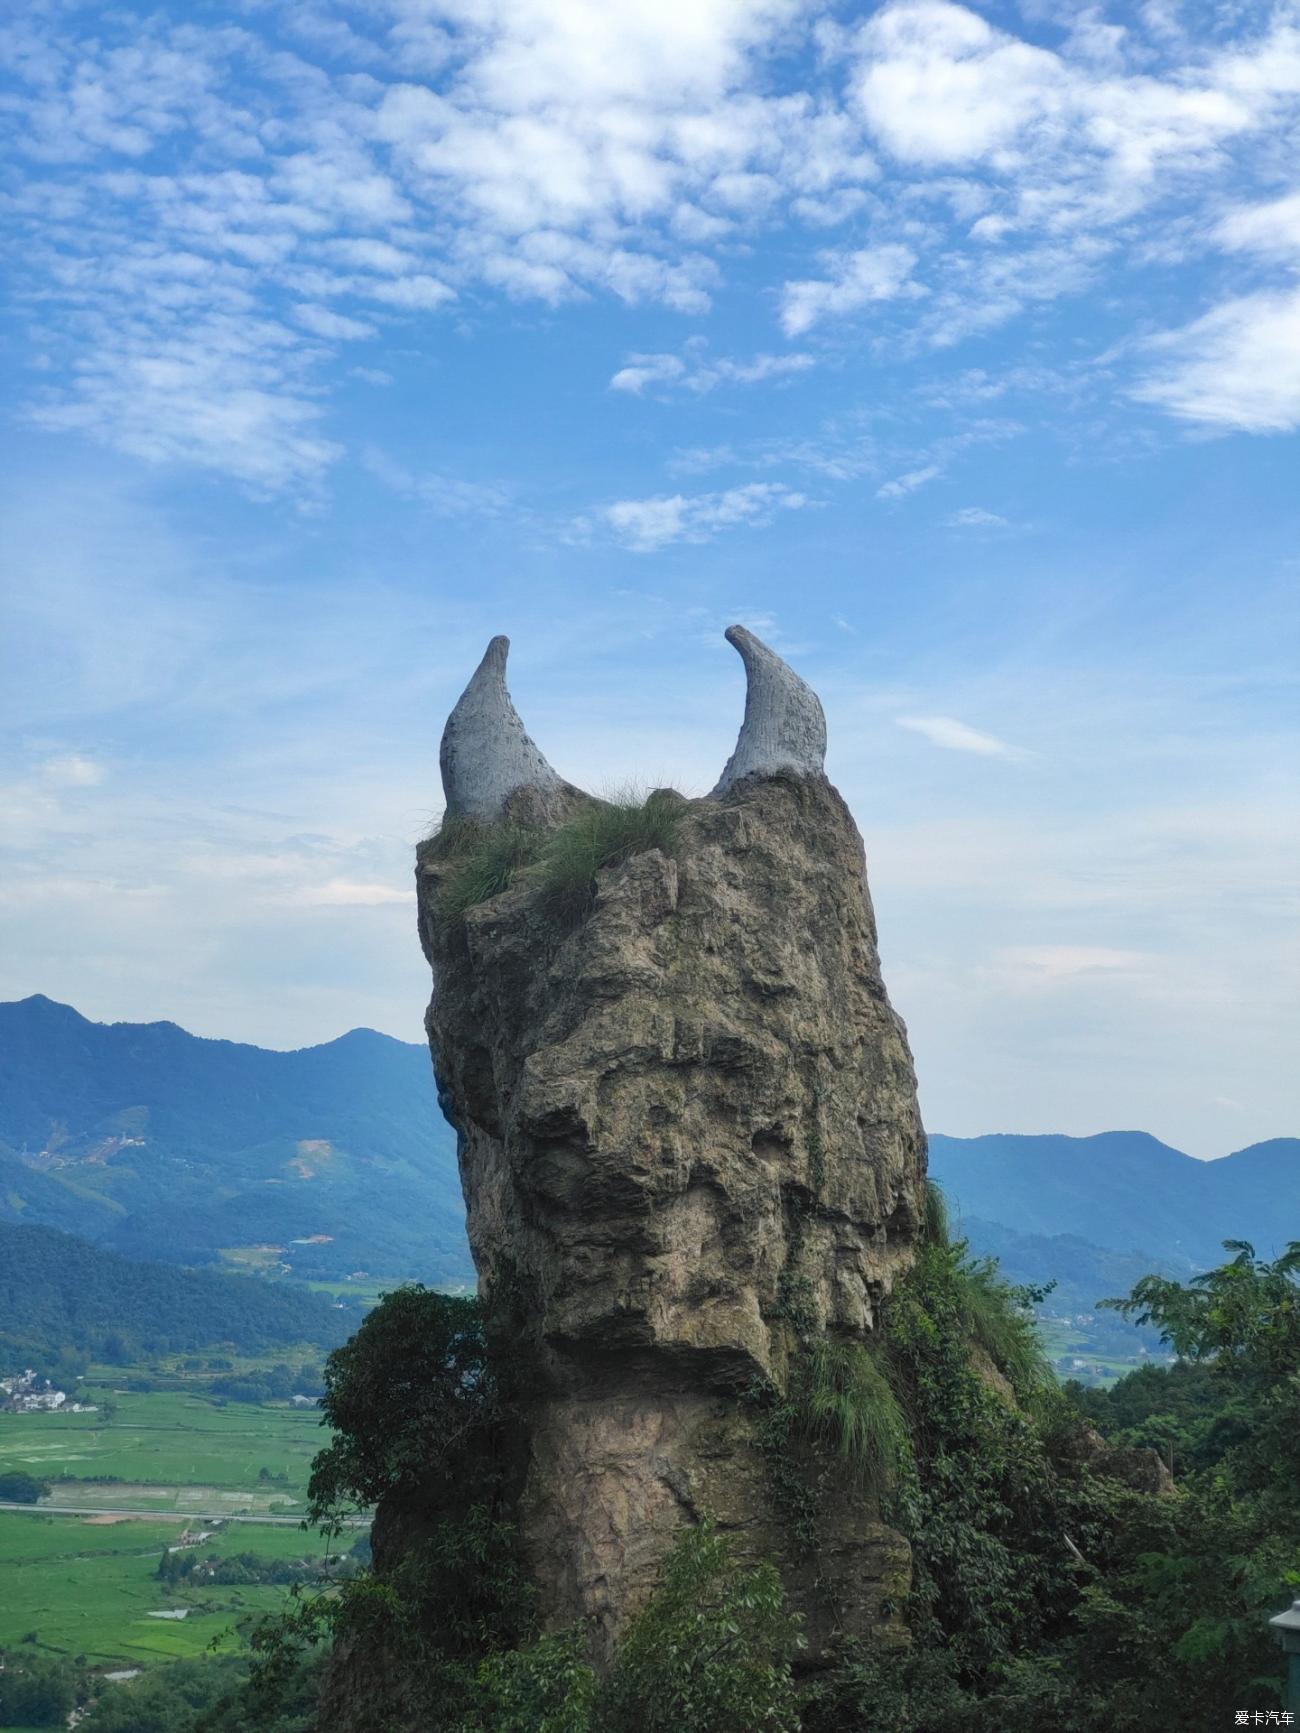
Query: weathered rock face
688	1123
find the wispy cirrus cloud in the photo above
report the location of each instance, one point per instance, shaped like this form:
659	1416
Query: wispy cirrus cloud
976	517
445	495
697	372
1031	966
901	485
955	736
1271	228
73	770
646	525
1236	368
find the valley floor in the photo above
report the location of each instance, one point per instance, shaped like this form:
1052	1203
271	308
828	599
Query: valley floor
149	1471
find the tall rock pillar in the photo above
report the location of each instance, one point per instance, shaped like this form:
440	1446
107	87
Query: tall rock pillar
689	1139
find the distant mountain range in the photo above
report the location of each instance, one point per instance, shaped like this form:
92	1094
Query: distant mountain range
1124	1191
158	1144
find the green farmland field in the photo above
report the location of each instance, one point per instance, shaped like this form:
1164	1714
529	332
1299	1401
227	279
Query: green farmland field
81	1586
163	1442
87	1588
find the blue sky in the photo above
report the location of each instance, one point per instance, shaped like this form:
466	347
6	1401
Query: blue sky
955	351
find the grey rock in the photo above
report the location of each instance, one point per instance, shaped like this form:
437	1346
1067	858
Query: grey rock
486	753
1141	1468
784	727
679	1115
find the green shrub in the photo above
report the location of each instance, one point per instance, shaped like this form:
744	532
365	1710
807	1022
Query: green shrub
711	1651
421	1425
36	1690
997	1320
980	1502
913	1692
19	1487
995	1315
548	1687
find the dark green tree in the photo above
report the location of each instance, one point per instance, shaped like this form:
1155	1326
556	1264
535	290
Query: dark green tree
19	1487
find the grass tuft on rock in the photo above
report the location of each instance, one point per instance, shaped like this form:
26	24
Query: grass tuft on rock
487	862
852	1408
451	837
604	834
935	1229
486	859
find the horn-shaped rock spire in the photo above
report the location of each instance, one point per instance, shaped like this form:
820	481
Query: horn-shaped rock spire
784	726
486	753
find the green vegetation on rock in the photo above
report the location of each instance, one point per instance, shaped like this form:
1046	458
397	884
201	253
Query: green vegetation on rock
848	1403
486	861
562	860
603	834
1048	1592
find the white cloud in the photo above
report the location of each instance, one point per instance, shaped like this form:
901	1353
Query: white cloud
854	281
180	181
1032	965
974	517
419	293
367	253
583	119
857	447
332	326
902	485
1236	368
214	391
956	736
73	770
701	374
1272	228
937	84
642	370
645	525
751	372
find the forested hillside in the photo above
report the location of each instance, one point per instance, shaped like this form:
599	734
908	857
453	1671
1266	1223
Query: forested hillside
162	1145
1077	1274
58	1294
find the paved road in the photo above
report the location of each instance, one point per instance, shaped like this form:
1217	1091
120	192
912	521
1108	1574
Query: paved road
167	1515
